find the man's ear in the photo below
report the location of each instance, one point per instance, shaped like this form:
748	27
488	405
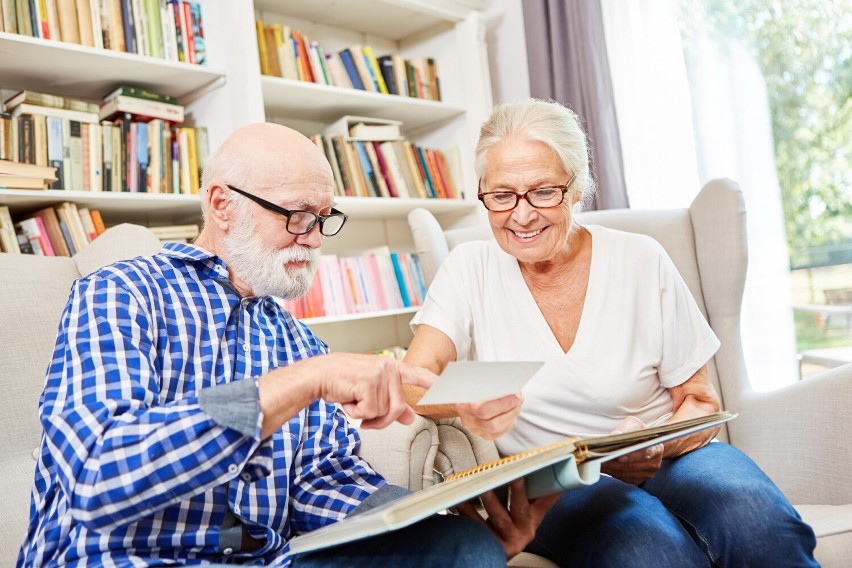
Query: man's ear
219	208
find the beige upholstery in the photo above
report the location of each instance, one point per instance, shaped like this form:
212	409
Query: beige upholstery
800	435
33	292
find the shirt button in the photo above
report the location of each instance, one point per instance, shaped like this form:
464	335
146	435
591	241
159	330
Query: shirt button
245	347
228	551
246	476
233	468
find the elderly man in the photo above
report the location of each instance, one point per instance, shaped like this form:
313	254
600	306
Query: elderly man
189	419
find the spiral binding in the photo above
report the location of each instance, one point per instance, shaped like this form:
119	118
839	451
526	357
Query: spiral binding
509	459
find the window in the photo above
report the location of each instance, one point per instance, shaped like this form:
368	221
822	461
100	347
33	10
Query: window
760	92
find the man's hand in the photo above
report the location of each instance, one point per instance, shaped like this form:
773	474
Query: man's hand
493	418
368	387
639	466
514	526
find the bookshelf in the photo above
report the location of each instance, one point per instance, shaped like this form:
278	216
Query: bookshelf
230	92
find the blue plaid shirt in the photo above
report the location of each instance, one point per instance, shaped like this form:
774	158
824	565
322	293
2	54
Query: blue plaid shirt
151	452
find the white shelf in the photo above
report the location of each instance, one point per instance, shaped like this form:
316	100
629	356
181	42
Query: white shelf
301	100
394	19
177	206
146	208
389	207
89	73
353	317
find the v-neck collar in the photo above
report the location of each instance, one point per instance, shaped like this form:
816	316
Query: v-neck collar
530	306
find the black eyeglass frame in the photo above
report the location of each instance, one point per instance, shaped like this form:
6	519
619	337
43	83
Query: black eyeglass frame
525	195
288	213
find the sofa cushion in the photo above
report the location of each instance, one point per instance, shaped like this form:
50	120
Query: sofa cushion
33	291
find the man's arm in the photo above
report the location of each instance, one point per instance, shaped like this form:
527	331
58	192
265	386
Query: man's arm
328	478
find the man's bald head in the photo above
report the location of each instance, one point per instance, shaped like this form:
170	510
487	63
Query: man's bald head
266	156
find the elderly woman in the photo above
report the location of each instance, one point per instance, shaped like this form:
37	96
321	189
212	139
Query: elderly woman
624	346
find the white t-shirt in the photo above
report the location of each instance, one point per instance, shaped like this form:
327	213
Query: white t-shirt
640	332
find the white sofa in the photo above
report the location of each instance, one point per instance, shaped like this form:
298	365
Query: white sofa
800	435
33	292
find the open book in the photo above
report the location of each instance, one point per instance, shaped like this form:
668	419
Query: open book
573	462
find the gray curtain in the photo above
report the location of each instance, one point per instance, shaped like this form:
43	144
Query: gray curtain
567	58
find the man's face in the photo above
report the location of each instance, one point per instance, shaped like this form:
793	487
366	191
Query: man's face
264	255
269	269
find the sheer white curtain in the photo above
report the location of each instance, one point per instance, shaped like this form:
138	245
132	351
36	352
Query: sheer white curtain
688	118
652	102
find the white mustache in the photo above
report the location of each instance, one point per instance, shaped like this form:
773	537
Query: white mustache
299	253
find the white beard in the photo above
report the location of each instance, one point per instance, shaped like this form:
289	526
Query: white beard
264	269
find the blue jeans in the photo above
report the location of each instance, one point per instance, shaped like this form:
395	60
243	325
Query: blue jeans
710	507
438	541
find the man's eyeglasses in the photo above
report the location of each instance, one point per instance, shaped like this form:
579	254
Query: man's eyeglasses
300	222
540	198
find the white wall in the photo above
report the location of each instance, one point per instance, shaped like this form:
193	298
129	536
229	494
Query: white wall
507	50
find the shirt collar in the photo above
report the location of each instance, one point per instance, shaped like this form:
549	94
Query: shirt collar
195	254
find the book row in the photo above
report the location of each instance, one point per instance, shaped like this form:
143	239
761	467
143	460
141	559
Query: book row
122	155
143	104
392	168
53	231
368	283
166	29
287	53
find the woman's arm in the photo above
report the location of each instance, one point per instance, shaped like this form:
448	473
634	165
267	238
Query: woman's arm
431	349
693	398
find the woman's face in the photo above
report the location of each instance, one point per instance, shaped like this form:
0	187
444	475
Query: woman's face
529	234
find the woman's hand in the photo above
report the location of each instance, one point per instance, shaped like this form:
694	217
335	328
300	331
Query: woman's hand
639	466
493	418
515	525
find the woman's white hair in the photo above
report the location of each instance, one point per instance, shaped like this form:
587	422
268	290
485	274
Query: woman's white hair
546	121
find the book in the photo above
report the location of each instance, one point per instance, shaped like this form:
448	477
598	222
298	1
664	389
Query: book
69	27
139	93
570	463
363	70
27	170
348	62
74	145
8	181
71	114
365	128
142	109
54	231
97	221
48	100
31	232
174	232
374	69
8	238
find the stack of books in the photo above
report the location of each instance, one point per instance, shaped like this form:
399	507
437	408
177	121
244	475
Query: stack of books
16	175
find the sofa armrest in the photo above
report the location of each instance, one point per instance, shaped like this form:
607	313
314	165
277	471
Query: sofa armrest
404	455
800	436
459	449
